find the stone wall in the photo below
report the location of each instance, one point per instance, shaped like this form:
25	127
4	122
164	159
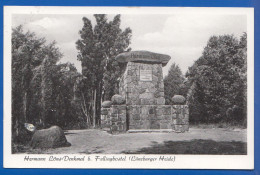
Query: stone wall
105	120
120	118
139	92
113	119
152	117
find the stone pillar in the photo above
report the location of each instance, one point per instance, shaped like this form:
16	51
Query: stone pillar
142	84
117	117
180	118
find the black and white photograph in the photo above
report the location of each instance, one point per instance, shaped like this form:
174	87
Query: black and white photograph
118	87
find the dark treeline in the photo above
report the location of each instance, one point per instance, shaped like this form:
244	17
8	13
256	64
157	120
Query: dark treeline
46	92
42	90
215	86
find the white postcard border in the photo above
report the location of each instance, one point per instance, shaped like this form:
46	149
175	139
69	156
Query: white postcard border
180	161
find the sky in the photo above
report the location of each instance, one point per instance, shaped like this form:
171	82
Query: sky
181	36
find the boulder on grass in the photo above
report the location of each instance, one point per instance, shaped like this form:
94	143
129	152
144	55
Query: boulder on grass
118	100
106	104
178	100
52	137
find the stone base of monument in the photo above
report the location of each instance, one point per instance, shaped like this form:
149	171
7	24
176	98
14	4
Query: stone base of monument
145	118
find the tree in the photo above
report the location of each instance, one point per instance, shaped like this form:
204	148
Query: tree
217	82
64	111
173	83
97	48
25	57
42	90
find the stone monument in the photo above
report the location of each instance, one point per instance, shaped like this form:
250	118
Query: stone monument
142	88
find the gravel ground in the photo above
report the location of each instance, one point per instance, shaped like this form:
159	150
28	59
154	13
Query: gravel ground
96	141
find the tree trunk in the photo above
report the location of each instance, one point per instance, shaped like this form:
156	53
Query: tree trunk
94	108
25	107
190	93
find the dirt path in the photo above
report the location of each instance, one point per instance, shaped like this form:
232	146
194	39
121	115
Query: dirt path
97	141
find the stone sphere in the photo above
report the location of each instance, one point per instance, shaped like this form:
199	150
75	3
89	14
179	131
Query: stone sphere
178	99
106	104
118	100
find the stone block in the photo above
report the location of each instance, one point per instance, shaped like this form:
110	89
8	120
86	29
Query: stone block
136	110
136	116
114	110
143	85
167	110
178	110
154	124
155	78
121	107
172	126
113	128
103	117
186	127
142	90
122	117
113	116
151	110
159	111
167	117
131	121
146	124
122	128
144	116
130	72
122	112
173	110
165	125
146	95
151	89
113	119
104	111
128	79
159	117
181	122
118	123
152	117
161	85
151	102
180	116
186	109
137	125
160	101
181	128
144	101
144	110
174	116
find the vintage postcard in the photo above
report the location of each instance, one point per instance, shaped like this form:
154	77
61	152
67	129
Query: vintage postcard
120	87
